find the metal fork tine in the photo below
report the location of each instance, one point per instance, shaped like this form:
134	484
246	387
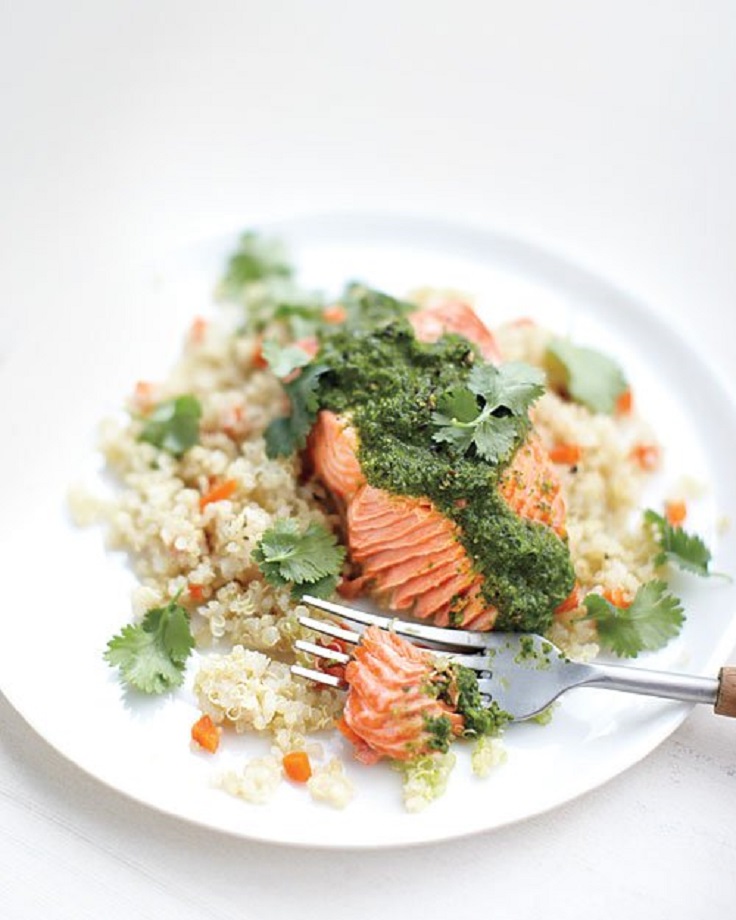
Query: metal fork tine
444	638
330	629
318	676
480	661
321	652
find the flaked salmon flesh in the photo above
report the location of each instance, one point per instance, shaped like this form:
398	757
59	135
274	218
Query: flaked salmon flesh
389	705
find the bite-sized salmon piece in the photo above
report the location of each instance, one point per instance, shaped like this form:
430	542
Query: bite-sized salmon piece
432	323
390	705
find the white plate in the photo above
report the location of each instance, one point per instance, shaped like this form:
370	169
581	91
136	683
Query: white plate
63	596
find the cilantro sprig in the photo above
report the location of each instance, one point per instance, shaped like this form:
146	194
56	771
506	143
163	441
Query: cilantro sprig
653	618
302	313
288	433
260	278
284	359
685	550
309	560
586	375
152	654
489	414
173	425
255	259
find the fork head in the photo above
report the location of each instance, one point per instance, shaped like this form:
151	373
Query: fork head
521	673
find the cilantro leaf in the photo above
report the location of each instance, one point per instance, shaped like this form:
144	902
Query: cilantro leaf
496	438
173	425
289	432
687	551
460	404
457	417
284	359
451	432
301	313
490	414
367	307
281	437
310	560
323	587
255	259
260	278
654	617
588	376
151	655
513	386
484	381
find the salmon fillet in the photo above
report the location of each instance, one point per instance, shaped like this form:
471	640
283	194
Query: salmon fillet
410	554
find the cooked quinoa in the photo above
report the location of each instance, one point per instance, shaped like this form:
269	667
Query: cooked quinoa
609	547
179	547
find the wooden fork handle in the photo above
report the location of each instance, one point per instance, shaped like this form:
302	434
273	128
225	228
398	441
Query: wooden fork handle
726	699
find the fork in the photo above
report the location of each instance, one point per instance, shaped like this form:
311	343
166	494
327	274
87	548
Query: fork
523	673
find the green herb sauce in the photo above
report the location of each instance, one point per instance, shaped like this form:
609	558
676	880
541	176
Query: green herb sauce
390	384
458	686
439	729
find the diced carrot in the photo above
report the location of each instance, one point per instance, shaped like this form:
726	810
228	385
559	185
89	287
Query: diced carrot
143	389
297	766
206	734
572	601
523	321
197	330
143	396
625	403
647	456
196	592
617	596
258	361
675	512
218	493
569	454
334	668
334	314
336	645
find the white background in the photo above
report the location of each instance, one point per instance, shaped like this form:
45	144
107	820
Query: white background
605	132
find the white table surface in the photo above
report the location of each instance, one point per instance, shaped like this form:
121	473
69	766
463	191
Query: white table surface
605	132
